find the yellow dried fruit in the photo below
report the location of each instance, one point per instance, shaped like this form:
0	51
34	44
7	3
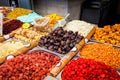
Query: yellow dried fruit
108	34
18	12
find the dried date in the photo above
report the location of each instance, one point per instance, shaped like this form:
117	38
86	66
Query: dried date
60	41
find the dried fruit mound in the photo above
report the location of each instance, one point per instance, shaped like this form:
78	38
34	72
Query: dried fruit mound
60	40
12	25
34	66
102	52
88	69
108	34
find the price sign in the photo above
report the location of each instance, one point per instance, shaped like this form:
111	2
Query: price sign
1	23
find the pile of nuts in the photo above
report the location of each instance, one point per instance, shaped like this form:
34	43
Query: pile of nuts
60	41
102	52
87	69
108	34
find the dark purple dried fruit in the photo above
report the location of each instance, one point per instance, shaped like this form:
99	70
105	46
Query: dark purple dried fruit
60	41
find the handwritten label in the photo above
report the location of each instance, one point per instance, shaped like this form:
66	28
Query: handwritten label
1	23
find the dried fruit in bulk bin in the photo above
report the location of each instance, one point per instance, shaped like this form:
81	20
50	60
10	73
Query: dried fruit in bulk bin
87	69
108	34
102	52
33	66
11	25
29	34
81	26
18	12
54	18
9	47
60	41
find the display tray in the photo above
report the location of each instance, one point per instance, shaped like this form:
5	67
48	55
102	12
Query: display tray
37	63
11	33
37	48
13	47
81	27
30	34
60	41
58	77
107	35
16	12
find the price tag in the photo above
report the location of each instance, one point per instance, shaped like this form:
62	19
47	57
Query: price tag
1	23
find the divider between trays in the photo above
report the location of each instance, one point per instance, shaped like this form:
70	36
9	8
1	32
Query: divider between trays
10	35
54	72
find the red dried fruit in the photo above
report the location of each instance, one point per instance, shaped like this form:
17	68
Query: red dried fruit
87	69
33	66
12	25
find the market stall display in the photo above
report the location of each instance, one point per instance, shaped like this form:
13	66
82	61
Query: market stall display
45	46
18	12
9	47
29	34
87	69
60	41
108	34
32	66
102	52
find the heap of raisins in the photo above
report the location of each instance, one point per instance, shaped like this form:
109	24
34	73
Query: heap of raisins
87	69
60	41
